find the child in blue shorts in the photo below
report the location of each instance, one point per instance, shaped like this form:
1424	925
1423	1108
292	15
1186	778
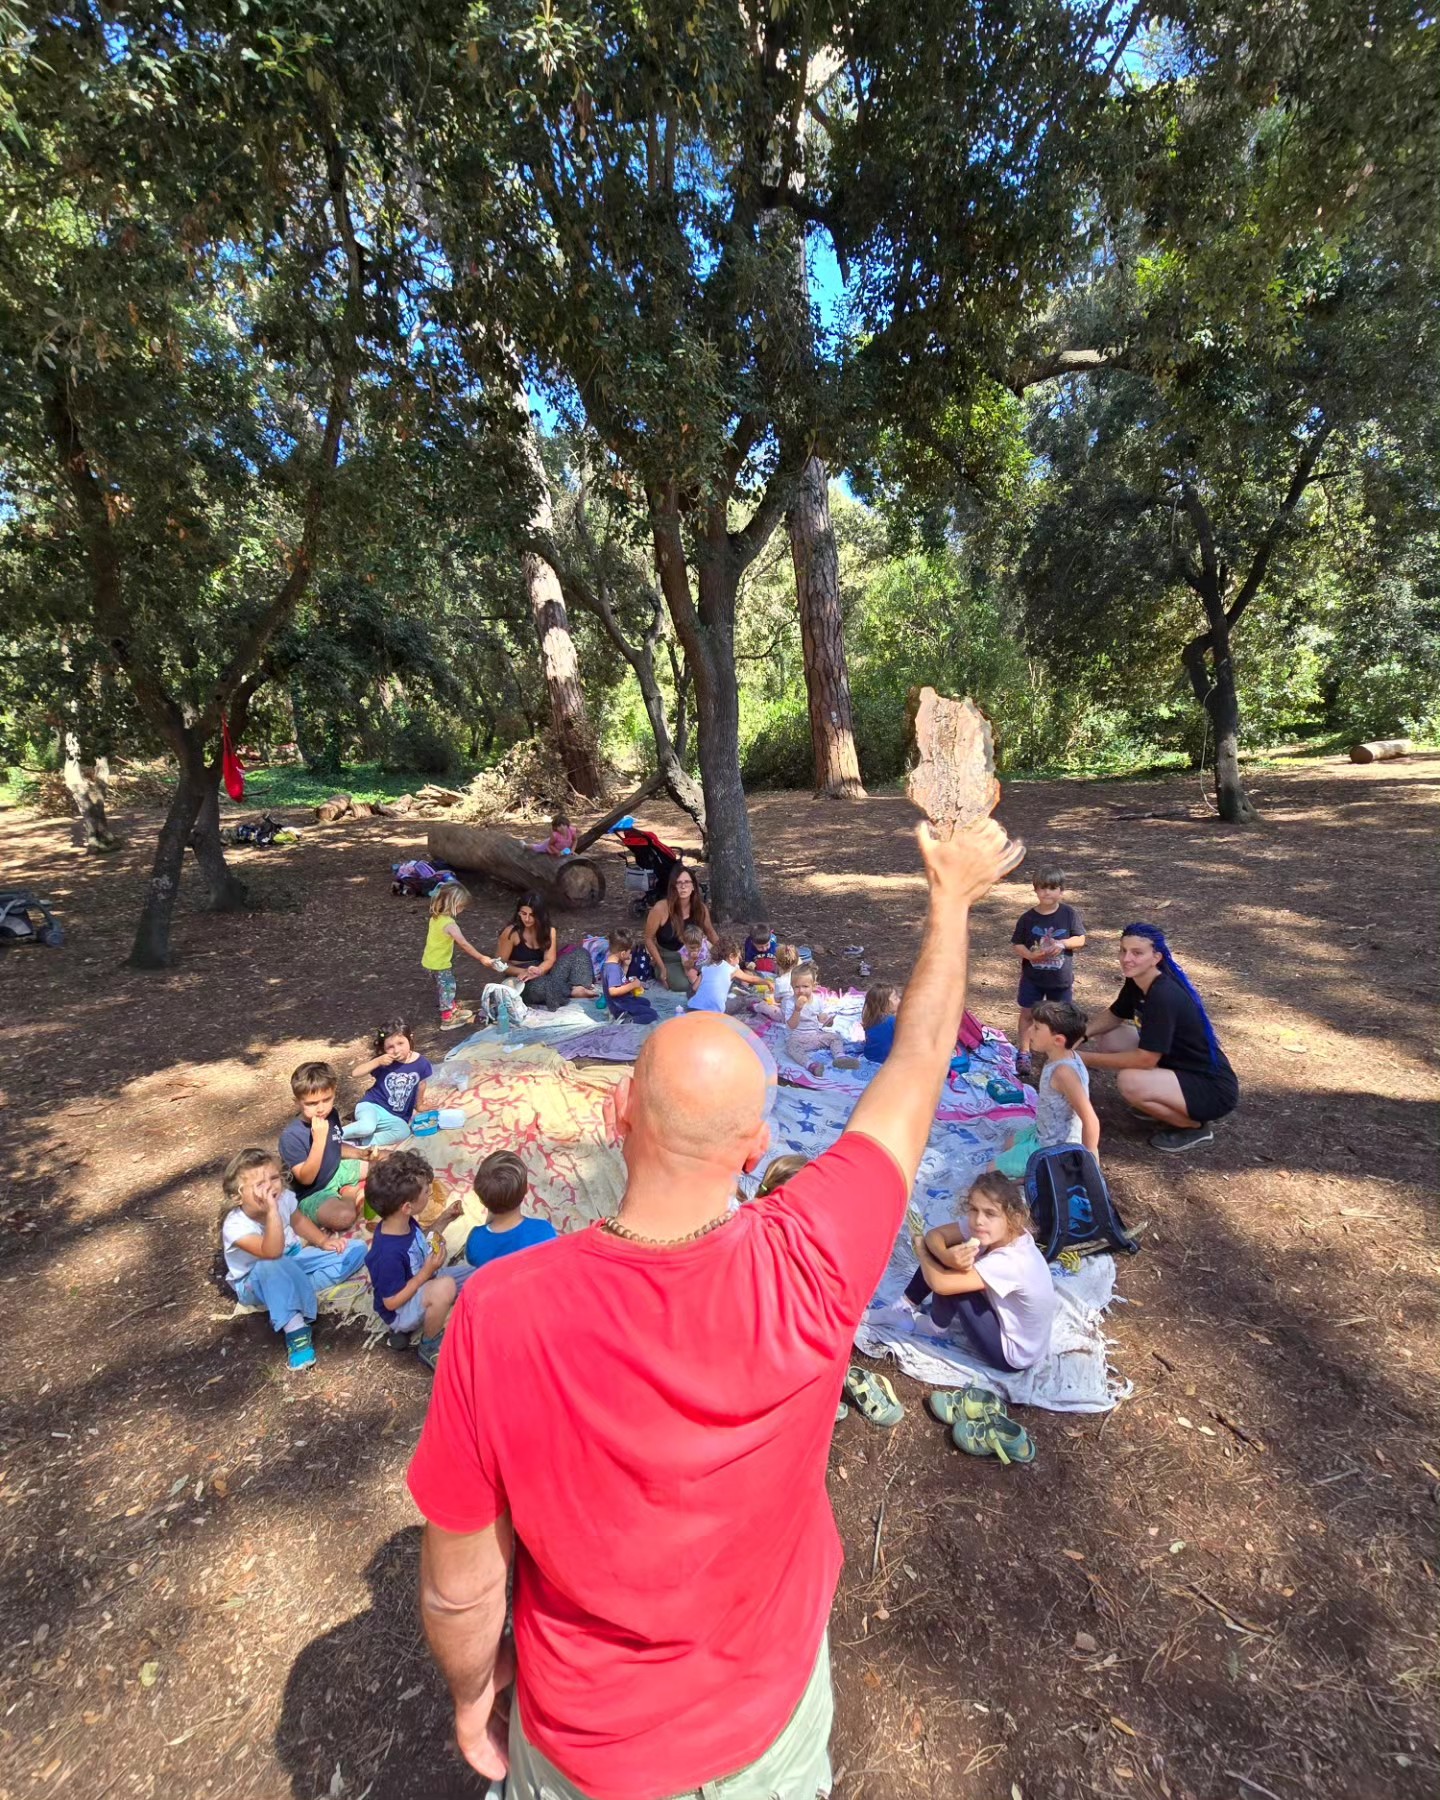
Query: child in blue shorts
1045	938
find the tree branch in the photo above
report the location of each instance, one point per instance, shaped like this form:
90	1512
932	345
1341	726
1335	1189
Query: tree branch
1299	481
1064	362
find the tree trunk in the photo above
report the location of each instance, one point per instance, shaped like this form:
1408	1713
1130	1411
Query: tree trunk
225	892
151	949
1234	803
558	662
734	886
88	793
822	637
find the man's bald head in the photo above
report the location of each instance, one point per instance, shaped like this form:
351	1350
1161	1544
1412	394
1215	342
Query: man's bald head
700	1086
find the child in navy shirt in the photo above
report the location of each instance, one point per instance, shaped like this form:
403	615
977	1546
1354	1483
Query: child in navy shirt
398	1073
412	1288
1045	938
502	1184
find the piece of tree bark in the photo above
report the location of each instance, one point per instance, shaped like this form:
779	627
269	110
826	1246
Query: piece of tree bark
1382	750
568	883
822	637
953	781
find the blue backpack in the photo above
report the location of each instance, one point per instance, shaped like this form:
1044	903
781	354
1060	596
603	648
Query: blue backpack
1070	1204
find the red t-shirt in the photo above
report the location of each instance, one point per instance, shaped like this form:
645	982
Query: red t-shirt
657	1424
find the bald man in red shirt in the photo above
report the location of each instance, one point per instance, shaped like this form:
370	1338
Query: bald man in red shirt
638	1417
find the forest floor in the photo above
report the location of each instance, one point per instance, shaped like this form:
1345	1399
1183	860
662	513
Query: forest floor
1225	1589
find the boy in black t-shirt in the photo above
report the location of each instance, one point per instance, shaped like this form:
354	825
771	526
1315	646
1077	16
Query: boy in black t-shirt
1046	937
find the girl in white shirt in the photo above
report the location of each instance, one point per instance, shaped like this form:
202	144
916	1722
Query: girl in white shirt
987	1283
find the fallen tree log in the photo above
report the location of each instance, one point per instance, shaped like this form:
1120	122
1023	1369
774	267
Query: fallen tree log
617	813
568	883
1383	750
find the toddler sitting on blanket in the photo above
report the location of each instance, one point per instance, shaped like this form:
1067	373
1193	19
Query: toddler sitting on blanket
694	953
712	991
810	1030
877	1021
624	995
986	1282
780	1006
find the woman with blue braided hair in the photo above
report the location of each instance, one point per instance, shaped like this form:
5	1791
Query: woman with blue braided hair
1158	1037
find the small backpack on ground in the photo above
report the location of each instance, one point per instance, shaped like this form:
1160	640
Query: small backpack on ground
24	919
1070	1203
502	1005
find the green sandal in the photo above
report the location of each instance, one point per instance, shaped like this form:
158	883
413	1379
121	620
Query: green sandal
977	1403
873	1396
1000	1437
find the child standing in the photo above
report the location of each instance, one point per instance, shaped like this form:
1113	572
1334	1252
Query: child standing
758	952
624	995
502	1183
1063	1111
713	988
274	1256
441	936
327	1182
877	1021
405	1267
398	1075
1045	938
987	1277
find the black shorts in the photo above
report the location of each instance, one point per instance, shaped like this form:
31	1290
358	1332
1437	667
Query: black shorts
1030	992
1208	1096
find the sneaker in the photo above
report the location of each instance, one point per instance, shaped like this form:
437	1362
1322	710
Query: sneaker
1176	1142
428	1350
300	1348
397	1340
451	1020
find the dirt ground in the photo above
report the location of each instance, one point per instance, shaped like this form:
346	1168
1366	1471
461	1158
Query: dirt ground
1225	1588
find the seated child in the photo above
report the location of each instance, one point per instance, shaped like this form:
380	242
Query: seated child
713	988
990	1286
398	1075
784	1168
410	1292
274	1256
562	838
327	1183
1063	1112
502	1183
810	1030
758	953
694	953
782	1001
877	1021
624	995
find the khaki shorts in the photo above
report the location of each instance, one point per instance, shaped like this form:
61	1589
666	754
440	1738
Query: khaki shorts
795	1767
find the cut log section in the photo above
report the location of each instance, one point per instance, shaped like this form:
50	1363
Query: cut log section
1383	750
568	883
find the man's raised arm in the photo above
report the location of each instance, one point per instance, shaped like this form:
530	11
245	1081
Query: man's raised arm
897	1110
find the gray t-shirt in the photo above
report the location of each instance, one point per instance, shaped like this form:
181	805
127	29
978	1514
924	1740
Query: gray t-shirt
1055	1121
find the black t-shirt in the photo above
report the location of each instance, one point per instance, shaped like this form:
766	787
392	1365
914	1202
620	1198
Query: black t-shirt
1056	973
1170	1025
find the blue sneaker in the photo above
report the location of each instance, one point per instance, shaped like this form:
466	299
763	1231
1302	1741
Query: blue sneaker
300	1348
428	1350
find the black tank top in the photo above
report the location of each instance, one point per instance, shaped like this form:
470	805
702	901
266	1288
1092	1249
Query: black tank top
525	956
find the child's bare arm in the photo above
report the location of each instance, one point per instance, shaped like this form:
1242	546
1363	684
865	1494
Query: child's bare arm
454	931
315	1235
944	1280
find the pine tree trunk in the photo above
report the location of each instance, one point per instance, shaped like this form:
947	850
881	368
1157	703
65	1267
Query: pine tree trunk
225	892
822	637
151	949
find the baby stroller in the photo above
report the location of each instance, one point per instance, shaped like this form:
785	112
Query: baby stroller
25	919
649	860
